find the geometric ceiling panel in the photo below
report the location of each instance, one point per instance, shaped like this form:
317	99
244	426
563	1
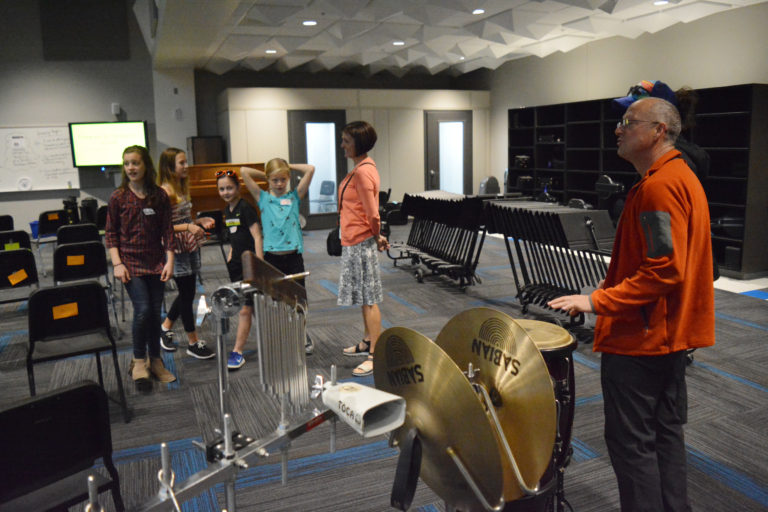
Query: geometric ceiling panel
398	36
271	14
693	11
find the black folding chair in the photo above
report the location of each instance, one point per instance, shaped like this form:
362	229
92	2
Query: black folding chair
10	240
49	446
6	223
84	260
73	233
47	224
67	321
17	270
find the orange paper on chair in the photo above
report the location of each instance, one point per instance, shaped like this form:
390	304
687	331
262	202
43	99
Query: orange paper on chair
17	277
75	260
65	311
53	216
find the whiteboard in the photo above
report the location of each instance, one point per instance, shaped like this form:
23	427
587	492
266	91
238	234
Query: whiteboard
36	158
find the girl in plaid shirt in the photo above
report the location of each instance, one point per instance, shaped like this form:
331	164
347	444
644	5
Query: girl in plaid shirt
139	237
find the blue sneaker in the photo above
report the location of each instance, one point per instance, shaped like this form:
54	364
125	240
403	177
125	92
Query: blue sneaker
235	361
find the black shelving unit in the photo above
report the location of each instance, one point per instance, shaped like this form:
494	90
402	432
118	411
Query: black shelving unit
569	145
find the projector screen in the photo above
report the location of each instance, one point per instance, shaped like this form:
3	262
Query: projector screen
102	144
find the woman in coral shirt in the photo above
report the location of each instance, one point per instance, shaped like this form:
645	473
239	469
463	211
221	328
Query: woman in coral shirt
361	239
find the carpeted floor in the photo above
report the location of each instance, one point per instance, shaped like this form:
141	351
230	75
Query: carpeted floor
727	384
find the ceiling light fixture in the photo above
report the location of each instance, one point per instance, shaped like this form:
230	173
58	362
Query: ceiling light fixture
271	51
477	12
660	2
309	23
399	43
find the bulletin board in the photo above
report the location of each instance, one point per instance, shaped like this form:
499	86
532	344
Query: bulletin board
36	158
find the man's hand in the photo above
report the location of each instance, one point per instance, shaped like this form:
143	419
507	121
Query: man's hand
572	304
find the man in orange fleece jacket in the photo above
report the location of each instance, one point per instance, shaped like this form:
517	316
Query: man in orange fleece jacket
657	301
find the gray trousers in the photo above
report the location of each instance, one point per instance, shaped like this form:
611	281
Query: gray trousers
645	403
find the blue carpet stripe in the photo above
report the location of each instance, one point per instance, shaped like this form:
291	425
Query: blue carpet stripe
731	376
186	460
428	508
264	474
589	399
582	451
418	310
386	324
583	360
758	294
330	286
738	320
8	336
725	475
170	365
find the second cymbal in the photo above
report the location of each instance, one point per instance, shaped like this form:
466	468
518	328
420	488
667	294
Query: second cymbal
514	373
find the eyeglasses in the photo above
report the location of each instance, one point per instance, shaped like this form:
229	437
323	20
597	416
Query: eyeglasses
626	123
227	172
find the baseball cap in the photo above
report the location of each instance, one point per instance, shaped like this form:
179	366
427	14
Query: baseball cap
644	89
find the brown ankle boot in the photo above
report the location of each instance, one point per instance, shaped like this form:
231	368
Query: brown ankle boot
140	373
157	368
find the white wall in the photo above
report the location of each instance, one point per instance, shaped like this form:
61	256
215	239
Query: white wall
256	121
36	92
175	115
723	49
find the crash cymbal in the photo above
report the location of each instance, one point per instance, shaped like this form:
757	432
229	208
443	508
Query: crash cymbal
545	335
514	373
443	406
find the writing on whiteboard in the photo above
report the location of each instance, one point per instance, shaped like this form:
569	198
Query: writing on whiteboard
38	158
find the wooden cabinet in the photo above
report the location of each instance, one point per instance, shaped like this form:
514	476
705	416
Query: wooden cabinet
565	147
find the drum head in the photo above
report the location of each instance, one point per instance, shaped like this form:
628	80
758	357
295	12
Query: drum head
443	406
511	369
547	336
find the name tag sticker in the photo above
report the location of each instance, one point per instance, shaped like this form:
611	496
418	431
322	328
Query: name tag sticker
53	216
65	311
17	277
285	202
149	211
233	222
233	229
75	260
11	246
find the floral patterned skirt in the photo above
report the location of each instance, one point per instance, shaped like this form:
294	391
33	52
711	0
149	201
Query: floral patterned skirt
360	280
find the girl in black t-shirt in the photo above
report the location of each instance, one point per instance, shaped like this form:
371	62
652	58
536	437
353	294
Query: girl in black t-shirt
242	223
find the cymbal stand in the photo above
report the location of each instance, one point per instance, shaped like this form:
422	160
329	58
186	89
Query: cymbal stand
507	450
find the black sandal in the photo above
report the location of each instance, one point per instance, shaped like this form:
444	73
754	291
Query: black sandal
355	350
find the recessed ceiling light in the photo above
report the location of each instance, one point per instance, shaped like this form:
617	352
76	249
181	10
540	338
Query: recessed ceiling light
461	58
309	23
478	11
271	51
399	43
660	2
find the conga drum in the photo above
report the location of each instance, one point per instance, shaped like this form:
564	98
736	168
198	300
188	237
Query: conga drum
556	346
